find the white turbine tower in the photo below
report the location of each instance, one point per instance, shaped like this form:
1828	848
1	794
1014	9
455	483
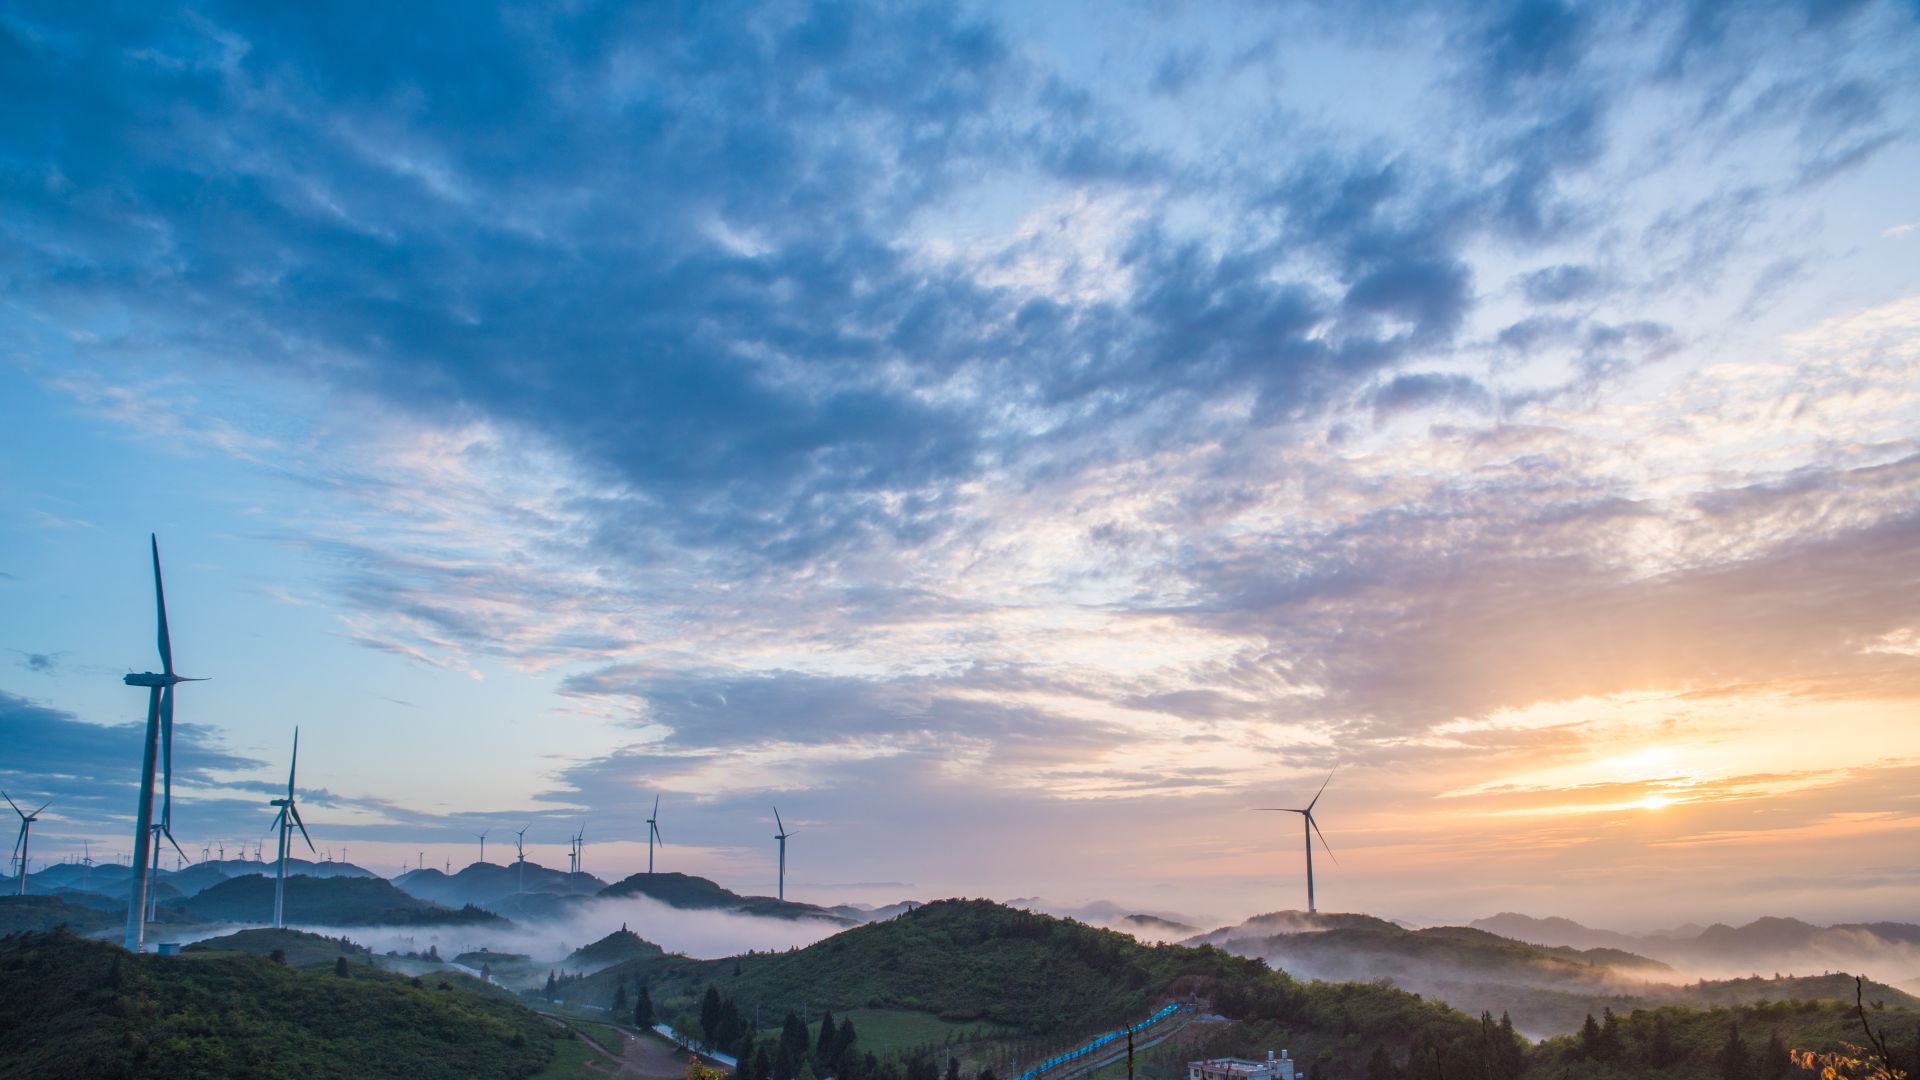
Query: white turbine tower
483	845
1310	828
653	833
26	833
520	854
780	890
580	848
159	743
285	822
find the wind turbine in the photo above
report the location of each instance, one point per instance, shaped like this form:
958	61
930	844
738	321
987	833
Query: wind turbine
159	741
26	830
580	848
520	854
653	832
1310	828
780	891
483	845
286	821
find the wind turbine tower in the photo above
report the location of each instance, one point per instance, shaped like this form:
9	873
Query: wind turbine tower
483	845
653	833
26	832
158	744
780	890
287	820
520	854
1310	828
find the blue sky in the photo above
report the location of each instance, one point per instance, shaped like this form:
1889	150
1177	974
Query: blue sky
1015	438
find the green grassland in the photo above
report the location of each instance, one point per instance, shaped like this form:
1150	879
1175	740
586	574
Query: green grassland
891	1032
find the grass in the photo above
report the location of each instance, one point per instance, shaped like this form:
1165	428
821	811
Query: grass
892	1031
572	1060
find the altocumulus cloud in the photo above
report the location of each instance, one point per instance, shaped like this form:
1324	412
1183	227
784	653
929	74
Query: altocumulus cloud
913	400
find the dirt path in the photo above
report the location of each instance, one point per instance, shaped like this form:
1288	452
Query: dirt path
641	1055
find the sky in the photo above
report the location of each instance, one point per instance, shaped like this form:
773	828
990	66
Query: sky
1016	440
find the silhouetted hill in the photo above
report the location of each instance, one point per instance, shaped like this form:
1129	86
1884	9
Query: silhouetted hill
489	885
1554	931
336	901
1152	926
697	893
83	1009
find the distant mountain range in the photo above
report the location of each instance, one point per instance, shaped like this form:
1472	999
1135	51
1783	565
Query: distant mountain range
688	892
336	901
1547	988
1770	944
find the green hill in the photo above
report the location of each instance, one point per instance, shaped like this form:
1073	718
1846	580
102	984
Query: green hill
968	967
19	914
295	947
697	893
82	1009
1684	1043
332	901
616	948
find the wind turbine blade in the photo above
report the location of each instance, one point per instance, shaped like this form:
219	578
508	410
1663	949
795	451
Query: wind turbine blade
1323	838
43	806
160	602
1276	809
656	835
656	806
1323	786
10	802
296	762
176	844
295	811
776	820
166	756
279	819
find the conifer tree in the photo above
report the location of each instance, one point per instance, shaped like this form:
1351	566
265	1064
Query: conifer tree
1589	1038
643	1009
824	1048
1734	1060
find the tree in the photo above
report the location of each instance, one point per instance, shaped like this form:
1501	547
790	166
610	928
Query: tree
643	1009
1774	1063
793	1037
551	983
1609	1047
710	1014
1589	1038
619	1005
985	1074
1734	1061
843	1042
824	1048
340	967
698	1070
1380	1066
953	1068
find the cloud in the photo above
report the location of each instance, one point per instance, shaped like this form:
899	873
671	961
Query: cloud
89	770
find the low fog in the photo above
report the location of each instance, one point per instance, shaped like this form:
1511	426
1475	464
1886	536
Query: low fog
703	934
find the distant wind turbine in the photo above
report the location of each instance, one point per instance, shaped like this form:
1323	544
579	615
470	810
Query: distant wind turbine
159	742
26	832
1310	828
286	821
580	848
483	845
653	833
780	890
520	854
